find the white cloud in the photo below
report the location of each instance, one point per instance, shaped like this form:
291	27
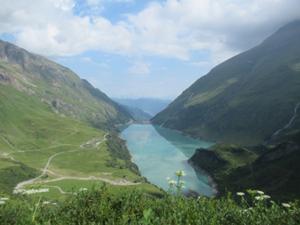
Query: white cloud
223	27
173	28
139	68
52	29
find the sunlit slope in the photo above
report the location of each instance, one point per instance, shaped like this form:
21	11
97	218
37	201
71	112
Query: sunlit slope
245	99
58	87
37	143
56	127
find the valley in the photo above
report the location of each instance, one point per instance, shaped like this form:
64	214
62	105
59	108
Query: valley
158	152
52	136
159	112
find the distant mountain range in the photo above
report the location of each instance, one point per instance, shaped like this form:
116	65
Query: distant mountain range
137	114
246	99
151	106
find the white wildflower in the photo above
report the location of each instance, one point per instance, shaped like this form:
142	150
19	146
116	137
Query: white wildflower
244	210
2	202
259	198
240	193
172	182
260	192
83	189
266	196
46	203
180	173
4	199
286	205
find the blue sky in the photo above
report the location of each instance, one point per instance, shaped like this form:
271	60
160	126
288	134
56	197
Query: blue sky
131	48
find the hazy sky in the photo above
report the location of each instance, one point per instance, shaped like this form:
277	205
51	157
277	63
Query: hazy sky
136	48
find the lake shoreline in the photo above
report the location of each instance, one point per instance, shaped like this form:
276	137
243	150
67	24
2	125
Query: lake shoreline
160	152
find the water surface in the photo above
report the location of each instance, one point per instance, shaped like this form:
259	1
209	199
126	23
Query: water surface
159	152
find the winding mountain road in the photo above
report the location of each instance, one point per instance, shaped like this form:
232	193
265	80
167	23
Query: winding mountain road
92	144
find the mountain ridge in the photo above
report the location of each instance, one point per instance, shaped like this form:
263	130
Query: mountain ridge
59	87
245	99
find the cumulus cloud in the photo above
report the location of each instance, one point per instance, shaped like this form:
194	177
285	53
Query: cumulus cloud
172	28
49	27
224	27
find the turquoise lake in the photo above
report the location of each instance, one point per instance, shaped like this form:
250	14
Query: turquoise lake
159	152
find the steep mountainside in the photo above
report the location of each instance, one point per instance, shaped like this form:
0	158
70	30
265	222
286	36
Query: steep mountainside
57	131
58	87
273	169
246	99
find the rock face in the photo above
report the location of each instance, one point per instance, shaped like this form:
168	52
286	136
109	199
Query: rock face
58	87
245	99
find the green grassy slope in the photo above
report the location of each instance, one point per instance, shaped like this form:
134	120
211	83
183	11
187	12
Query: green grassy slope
58	87
31	134
56	127
245	99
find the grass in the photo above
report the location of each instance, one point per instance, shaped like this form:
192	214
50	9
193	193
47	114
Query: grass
100	206
31	133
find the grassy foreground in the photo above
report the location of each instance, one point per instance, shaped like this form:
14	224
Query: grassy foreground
99	206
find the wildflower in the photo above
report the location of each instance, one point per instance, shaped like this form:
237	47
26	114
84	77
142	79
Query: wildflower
172	182
83	189
259	198
2	202
240	193
4	199
266	196
46	203
286	205
244	210
180	173
260	192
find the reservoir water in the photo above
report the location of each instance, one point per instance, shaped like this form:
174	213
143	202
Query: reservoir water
159	152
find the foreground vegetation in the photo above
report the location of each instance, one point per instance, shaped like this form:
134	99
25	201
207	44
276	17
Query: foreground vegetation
99	206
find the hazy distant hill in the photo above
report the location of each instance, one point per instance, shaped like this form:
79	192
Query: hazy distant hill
57	86
137	114
246	99
151	106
